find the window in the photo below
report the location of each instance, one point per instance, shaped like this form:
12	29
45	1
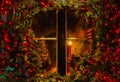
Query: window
61	39
44	27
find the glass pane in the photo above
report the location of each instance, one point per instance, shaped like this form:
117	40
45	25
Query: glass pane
75	25
76	49
79	39
44	24
46	50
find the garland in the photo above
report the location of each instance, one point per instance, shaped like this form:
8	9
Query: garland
16	39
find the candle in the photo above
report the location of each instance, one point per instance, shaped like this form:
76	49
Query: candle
69	50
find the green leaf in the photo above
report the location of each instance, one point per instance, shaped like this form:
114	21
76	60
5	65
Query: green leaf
89	13
81	67
23	6
44	9
95	16
77	13
17	27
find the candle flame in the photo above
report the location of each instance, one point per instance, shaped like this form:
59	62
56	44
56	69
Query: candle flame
69	42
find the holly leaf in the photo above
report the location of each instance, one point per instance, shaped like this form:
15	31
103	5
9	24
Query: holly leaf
3	77
89	13
17	27
95	16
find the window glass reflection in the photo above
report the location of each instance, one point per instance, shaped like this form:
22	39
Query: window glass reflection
75	50
46	50
44	24
76	25
78	44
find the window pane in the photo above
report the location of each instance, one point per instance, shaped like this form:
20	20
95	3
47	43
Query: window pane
44	24
46	50
79	39
75	25
76	49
